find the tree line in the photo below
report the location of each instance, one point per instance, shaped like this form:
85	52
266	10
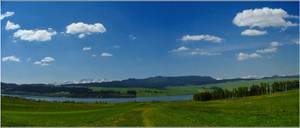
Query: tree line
78	92
262	89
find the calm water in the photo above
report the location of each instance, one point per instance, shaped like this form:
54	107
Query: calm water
111	100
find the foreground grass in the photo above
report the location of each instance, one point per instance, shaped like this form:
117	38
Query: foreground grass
280	109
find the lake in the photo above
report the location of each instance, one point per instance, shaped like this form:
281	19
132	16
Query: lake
109	100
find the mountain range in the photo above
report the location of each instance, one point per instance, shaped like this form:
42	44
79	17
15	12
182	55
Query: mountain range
151	82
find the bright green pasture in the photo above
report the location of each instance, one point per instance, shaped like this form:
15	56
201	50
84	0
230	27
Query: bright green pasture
279	109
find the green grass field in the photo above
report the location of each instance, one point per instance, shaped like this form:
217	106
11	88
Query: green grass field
279	109
190	89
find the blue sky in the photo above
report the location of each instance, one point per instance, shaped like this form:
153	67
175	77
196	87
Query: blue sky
65	41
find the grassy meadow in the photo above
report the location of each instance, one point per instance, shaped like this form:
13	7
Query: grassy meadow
278	109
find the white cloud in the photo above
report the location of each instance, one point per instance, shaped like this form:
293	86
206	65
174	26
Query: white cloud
209	38
271	49
81	35
86	48
83	29
132	37
296	41
253	32
263	17
245	56
94	55
35	35
267	50
181	49
204	53
45	61
11	59
275	44
116	46
11	26
199	52
6	14
105	54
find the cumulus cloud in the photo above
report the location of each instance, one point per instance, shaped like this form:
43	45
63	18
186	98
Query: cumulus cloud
253	32
6	14
35	35
45	61
11	26
209	38
180	49
271	49
245	56
94	55
263	17
83	29
106	54
10	59
86	48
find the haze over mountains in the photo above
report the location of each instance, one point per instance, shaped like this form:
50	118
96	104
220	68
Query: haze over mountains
153	82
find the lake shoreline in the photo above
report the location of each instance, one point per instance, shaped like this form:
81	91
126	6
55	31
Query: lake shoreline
104	100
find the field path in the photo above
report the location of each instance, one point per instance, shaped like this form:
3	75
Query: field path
146	119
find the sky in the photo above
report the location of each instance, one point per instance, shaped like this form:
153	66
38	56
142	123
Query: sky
45	42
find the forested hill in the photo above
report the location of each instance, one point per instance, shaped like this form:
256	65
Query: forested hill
156	82
164	81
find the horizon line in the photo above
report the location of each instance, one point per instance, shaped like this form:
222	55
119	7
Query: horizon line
78	81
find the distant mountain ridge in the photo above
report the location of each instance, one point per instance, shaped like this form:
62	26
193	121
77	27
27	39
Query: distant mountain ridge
160	81
157	82
153	82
